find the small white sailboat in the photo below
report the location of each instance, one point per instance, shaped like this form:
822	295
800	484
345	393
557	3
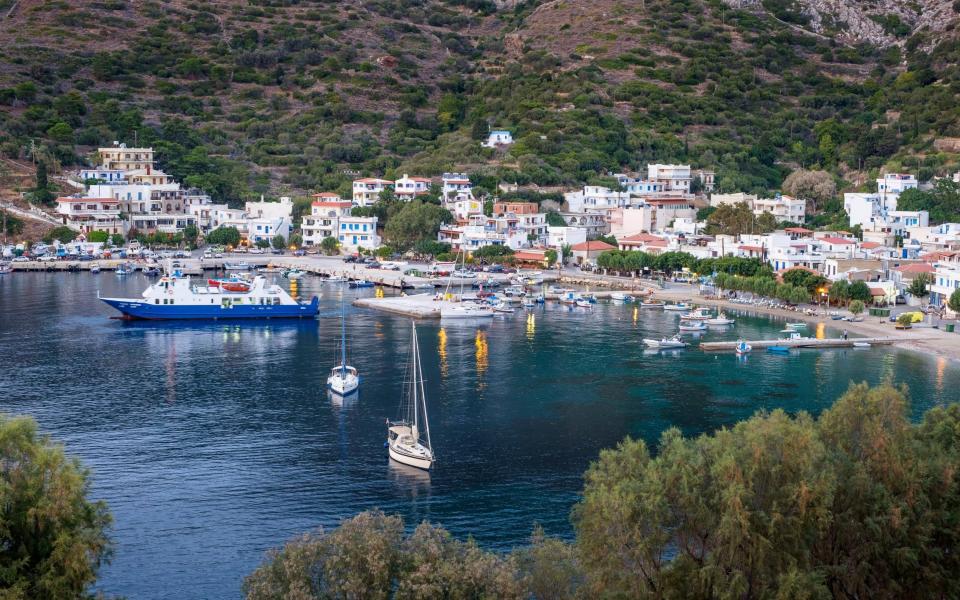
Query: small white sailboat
720	319
343	378
673	342
407	443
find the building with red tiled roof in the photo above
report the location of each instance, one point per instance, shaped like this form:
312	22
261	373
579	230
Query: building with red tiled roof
587	252
531	256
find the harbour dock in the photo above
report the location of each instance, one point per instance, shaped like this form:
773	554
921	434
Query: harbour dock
730	346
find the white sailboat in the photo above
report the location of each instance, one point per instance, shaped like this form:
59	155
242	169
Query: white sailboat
343	378
406	442
461	309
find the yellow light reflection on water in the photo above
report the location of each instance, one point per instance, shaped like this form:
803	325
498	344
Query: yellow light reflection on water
293	289
483	356
821	331
378	292
442	351
636	314
941	368
531	325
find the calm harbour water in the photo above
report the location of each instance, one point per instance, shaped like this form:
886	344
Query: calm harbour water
214	442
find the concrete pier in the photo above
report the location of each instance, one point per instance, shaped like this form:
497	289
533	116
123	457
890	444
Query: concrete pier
798	343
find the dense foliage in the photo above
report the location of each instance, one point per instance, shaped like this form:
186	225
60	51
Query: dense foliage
942	202
53	539
243	98
635	261
856	503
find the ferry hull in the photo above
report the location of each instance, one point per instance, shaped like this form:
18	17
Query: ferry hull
138	309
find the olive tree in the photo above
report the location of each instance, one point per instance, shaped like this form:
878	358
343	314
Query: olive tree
54	538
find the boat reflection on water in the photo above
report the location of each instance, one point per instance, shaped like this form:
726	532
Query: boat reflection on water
414	482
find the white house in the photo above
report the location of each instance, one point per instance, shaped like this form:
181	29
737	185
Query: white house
650	215
719	199
946	278
595	199
408	188
783	208
358	232
675	178
891	185
90	214
557	237
324	218
498	137
456	187
463	209
367	191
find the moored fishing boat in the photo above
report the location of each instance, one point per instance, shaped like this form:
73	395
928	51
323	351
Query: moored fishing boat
672	342
652	304
720	319
583	303
174	297
679	306
5	268
240	266
292	274
692	326
361	283
621	297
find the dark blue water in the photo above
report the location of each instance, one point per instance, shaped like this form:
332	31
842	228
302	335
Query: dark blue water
214	442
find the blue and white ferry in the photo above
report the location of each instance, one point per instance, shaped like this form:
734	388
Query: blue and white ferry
174	297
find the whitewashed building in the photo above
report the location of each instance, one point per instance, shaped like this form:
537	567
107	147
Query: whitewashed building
90	214
456	187
408	188
498	137
675	178
367	191
324	219
358	232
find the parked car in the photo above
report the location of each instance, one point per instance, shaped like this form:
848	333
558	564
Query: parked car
373	264
277	251
84	257
350	259
47	258
218	255
21	259
256	250
300	253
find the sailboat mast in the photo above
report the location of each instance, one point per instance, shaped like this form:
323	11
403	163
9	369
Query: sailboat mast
423	398
414	370
343	338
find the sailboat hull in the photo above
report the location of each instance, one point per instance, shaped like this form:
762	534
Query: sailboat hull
343	385
400	457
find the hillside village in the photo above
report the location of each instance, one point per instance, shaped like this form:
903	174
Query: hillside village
668	209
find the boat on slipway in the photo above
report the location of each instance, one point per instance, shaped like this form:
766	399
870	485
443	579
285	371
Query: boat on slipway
175	297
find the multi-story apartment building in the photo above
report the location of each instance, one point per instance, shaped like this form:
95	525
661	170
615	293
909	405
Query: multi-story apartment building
367	191
408	188
90	214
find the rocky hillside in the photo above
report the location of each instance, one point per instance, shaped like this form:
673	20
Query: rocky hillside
244	97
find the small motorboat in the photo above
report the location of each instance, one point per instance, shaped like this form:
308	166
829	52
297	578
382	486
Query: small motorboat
796	325
94	268
721	319
652	304
292	274
335	279
582	303
861	344
529	302
569	297
153	271
743	348
692	326
673	342
241	266
701	314
502	307
361	283
779	349
125	269
540	299
680	307
232	284
621	297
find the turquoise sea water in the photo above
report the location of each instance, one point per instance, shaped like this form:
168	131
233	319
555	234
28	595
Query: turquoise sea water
213	442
